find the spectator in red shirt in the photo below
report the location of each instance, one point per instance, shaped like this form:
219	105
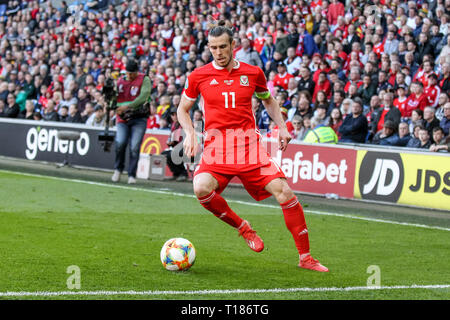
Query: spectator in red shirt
432	91
153	119
260	40
135	28
401	100
323	67
378	45
323	84
282	77
417	99
335	10
423	73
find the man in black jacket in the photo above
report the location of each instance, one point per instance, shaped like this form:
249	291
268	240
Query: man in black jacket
403	134
11	109
354	127
306	82
423	47
50	113
429	115
351	38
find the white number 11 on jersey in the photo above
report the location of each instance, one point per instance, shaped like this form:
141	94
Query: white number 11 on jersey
233	99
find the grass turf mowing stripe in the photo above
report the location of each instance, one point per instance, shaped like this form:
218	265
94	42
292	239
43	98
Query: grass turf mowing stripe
207	292
228	200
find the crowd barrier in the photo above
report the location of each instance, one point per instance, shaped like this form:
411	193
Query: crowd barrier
397	176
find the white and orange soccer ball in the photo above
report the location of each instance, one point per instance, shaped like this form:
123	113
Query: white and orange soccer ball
177	254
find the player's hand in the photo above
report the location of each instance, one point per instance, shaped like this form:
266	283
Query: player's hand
121	110
283	139
190	145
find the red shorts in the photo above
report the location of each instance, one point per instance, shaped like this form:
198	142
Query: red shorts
254	179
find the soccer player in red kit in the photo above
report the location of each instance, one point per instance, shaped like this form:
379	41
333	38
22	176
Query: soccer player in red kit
232	144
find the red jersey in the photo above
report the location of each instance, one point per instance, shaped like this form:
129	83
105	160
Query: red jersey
153	122
258	44
401	105
432	94
421	76
230	125
415	102
282	80
325	87
379	49
135	29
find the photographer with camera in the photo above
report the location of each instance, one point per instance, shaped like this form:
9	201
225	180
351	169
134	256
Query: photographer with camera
174	153
132	112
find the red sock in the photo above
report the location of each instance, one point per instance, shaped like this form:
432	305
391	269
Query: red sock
214	203
295	222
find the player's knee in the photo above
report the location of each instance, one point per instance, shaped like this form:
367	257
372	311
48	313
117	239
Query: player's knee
280	189
287	194
284	193
204	184
202	189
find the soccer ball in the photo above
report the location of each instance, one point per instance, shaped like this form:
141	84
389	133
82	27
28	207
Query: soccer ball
177	254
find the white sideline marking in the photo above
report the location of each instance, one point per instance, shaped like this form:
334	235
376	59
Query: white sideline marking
255	204
211	292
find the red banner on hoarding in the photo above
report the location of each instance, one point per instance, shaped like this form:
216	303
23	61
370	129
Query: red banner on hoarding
318	169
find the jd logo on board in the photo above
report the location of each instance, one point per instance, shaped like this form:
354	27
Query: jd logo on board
381	176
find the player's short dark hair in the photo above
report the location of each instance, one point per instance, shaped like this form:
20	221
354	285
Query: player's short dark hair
219	29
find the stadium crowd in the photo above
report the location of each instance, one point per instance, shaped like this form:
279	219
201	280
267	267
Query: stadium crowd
374	71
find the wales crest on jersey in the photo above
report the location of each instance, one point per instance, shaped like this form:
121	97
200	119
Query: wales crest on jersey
244	81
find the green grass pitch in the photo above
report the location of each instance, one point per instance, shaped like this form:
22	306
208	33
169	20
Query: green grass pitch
115	235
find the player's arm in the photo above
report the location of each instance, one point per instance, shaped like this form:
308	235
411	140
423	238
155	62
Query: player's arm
273	109
143	97
190	143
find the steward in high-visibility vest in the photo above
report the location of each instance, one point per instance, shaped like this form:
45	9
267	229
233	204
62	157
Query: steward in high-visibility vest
321	134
